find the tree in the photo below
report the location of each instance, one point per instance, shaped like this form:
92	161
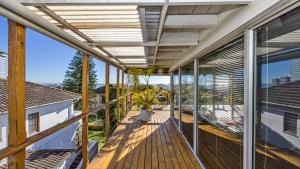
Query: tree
73	76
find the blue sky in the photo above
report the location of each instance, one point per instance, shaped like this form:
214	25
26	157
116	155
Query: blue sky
48	59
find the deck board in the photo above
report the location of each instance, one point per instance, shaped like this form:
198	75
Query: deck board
136	145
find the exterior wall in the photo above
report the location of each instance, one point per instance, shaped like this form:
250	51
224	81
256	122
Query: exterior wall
4	130
50	115
272	119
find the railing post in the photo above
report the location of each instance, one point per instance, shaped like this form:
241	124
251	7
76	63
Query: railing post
16	93
118	95
123	94
85	109
126	104
172	95
107	121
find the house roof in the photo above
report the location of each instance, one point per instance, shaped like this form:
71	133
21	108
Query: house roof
36	95
284	94
46	159
101	90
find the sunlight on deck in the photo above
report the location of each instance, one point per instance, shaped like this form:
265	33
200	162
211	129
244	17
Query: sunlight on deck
153	144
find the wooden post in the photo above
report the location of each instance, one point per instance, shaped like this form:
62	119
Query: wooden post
107	121
123	94
118	94
16	93
85	109
126	104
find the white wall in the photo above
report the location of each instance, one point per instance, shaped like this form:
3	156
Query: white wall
272	130
63	139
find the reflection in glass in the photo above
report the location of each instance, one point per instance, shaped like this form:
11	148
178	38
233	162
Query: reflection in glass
187	97
278	93
176	96
221	107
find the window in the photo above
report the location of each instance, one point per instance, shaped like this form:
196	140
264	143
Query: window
290	123
33	121
277	92
187	97
221	107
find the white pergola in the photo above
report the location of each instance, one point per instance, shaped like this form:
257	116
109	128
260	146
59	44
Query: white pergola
136	33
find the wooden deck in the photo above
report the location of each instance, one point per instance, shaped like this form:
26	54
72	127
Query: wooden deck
156	144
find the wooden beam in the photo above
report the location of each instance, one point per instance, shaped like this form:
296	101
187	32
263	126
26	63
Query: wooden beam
142	13
163	15
177	42
123	93
118	95
107	114
133	2
16	93
191	21
85	109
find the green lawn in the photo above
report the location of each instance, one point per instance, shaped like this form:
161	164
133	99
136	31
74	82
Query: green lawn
98	136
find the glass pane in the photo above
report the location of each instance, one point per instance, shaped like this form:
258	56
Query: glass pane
176	96
278	86
187	97
221	104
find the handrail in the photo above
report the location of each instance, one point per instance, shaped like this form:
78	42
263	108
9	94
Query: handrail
115	100
39	136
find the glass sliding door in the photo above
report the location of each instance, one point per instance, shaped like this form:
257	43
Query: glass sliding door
176	96
221	107
278	93
187	98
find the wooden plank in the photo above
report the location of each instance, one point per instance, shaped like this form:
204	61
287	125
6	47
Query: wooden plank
168	161
85	109
173	156
16	93
186	148
107	120
126	154
148	147
142	153
160	153
136	151
182	156
154	156
118	95
111	149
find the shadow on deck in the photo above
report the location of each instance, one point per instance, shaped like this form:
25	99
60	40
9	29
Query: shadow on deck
138	145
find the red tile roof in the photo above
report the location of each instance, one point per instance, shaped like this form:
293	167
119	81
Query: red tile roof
36	95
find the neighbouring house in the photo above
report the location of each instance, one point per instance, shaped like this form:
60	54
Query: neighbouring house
280	115
99	95
45	108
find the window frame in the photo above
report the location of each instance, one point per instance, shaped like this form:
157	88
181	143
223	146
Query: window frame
286	114
32	132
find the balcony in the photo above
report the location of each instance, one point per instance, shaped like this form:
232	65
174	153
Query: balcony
230	71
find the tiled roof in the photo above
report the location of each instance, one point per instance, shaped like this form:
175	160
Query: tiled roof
46	159
36	95
285	94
